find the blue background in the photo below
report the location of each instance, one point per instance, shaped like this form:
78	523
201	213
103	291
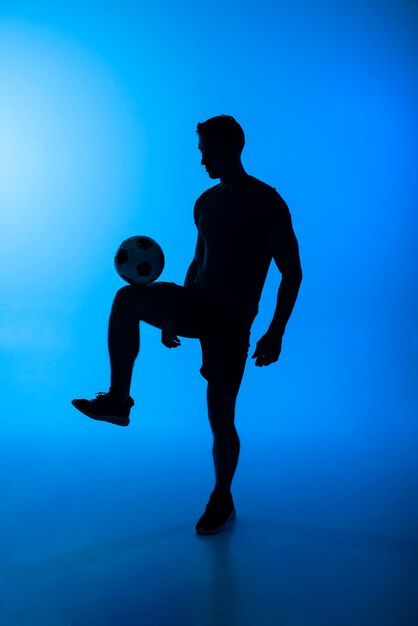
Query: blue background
99	104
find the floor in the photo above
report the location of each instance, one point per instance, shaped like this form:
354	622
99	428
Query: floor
103	533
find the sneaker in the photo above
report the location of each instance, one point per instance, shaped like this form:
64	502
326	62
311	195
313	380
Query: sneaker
106	407
219	512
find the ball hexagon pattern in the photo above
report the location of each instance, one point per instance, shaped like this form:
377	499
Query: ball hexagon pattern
139	260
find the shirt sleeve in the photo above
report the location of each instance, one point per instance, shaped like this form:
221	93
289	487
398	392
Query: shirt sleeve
274	212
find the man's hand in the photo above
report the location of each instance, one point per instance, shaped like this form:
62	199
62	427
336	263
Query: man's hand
268	349
170	339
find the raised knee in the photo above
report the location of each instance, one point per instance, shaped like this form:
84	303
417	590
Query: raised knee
122	291
122	295
125	296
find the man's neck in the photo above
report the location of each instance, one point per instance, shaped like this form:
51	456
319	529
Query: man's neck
234	180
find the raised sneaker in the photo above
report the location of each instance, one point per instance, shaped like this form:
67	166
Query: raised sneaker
106	407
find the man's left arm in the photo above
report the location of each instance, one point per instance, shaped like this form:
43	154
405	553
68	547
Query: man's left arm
285	250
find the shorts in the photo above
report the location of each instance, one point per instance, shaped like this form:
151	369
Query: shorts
223	331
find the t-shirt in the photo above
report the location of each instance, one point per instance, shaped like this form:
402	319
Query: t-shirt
233	225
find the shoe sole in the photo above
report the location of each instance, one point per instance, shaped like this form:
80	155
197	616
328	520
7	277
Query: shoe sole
111	419
202	531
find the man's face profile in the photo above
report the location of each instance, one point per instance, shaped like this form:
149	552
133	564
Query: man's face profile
216	157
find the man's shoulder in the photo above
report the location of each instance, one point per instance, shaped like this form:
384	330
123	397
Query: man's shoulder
272	209
252	184
257	191
259	184
261	187
209	192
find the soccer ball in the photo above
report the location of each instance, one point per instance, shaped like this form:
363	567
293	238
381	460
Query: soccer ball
139	260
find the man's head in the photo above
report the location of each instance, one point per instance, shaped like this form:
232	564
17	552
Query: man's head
221	141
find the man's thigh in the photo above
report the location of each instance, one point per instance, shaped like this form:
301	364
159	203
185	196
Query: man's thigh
165	305
224	358
190	312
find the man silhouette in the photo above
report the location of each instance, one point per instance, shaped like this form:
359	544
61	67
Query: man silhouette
242	224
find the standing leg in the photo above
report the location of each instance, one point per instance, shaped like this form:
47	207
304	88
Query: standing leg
151	303
226	443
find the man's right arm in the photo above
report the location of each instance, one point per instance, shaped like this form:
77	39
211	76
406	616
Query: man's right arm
168	338
194	265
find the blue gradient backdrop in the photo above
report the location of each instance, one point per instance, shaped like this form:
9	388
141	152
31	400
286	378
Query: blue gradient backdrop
98	108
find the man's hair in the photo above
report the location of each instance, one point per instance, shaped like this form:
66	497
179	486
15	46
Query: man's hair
223	128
